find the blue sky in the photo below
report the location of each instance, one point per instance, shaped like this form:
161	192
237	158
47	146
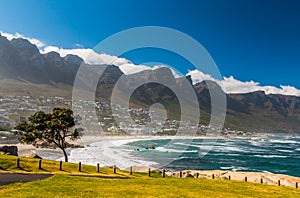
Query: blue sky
250	40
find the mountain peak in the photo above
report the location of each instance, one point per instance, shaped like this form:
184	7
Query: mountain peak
24	48
53	54
3	39
207	84
73	59
23	44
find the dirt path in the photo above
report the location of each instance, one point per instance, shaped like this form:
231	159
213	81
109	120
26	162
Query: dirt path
8	178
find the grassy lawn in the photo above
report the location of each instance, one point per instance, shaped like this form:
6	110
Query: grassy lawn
138	185
71	186
30	165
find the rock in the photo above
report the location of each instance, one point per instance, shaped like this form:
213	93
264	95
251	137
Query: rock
41	144
150	147
36	156
155	170
9	150
74	145
33	155
169	173
189	175
111	167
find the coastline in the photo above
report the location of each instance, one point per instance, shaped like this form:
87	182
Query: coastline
255	177
108	141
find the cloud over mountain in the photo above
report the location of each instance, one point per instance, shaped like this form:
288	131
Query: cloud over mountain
229	84
34	41
234	86
25	71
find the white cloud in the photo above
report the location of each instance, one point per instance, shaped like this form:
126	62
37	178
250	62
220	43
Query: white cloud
130	68
91	57
78	45
88	55
34	41
232	85
228	84
198	76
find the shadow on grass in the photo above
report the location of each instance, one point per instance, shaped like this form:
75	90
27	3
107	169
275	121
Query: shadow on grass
23	169
101	176
42	169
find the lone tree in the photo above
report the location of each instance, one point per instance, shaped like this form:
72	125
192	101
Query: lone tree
55	127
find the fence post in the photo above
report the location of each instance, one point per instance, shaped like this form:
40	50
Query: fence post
213	176
149	172
114	169
197	175
164	173
130	170
98	167
278	182
180	174
296	184
40	164
261	180
245	179
79	166
18	163
229	177
60	165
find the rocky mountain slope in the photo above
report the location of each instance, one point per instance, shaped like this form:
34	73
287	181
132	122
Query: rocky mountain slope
25	71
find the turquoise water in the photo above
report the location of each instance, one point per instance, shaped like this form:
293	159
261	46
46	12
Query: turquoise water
276	153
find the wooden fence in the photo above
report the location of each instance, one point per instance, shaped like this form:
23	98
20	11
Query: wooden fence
18	165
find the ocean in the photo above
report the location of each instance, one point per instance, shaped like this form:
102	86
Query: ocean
275	154
271	153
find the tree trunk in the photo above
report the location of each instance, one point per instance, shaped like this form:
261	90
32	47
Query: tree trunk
65	154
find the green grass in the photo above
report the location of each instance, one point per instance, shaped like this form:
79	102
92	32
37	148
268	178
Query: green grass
71	186
30	165
62	184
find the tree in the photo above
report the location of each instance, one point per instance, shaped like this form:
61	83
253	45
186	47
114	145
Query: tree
55	127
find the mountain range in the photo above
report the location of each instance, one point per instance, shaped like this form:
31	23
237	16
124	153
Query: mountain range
25	71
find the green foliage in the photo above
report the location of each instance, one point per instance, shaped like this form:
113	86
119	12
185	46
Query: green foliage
53	127
4	128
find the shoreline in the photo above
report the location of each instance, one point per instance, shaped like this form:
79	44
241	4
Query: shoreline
111	141
254	177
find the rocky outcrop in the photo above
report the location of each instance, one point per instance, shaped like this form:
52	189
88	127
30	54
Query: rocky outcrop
20	59
9	150
150	147
33	155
